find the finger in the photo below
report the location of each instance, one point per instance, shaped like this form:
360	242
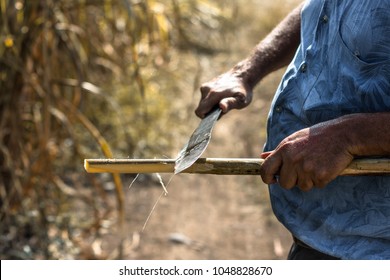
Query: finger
238	101
305	184
270	168
205	106
210	99
229	103
204	90
287	176
321	183
206	103
200	112
216	98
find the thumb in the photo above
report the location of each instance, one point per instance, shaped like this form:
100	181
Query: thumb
227	104
234	102
265	155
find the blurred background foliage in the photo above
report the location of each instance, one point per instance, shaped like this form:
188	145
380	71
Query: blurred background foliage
94	78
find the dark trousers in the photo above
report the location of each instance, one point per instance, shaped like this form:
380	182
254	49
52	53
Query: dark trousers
301	251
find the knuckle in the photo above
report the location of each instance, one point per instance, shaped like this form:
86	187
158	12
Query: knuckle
267	179
199	113
205	89
322	178
242	99
322	174
305	185
307	167
286	184
264	175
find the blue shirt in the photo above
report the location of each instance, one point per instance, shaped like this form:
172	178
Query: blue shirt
342	66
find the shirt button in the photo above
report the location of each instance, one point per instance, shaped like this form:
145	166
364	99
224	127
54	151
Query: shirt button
325	19
278	109
356	53
303	67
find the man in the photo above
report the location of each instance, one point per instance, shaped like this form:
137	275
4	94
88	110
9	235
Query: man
332	105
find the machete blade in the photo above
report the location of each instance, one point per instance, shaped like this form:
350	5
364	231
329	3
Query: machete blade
198	142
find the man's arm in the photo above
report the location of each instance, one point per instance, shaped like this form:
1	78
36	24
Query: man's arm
233	89
314	156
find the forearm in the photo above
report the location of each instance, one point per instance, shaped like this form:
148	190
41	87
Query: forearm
273	52
368	134
233	89
316	155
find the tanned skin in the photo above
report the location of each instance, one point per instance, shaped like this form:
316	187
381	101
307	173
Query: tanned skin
233	89
311	157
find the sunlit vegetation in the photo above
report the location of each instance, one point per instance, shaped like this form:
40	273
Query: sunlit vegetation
84	79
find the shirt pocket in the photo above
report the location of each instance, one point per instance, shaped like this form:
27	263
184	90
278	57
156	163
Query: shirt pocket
364	72
356	78
367	34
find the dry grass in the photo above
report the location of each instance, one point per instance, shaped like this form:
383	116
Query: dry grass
65	68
